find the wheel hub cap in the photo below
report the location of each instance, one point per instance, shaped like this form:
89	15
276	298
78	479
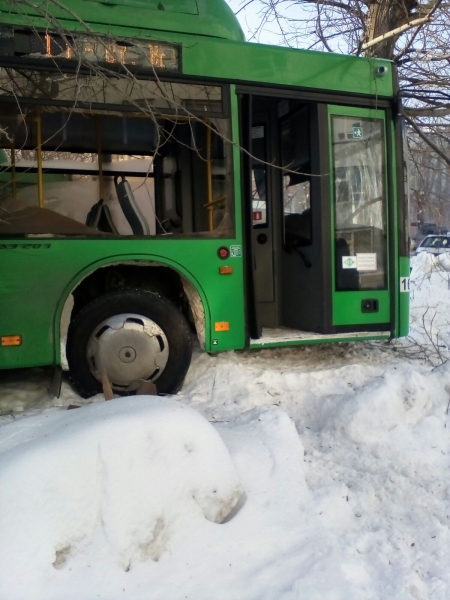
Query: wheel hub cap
131	349
127	354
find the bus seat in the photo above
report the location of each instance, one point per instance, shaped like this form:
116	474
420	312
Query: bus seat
100	218
131	210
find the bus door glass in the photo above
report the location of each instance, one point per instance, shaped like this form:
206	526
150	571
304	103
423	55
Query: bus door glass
296	162
286	214
261	214
359	199
302	264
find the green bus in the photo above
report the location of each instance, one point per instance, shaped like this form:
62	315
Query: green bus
160	176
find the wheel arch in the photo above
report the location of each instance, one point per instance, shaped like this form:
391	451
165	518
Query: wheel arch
195	295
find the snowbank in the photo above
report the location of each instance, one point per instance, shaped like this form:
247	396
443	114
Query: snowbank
109	501
350	501
390	401
430	308
108	483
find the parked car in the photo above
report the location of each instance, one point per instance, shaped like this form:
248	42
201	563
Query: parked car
419	231
435	244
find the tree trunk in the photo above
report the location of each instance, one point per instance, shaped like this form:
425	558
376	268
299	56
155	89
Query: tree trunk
384	16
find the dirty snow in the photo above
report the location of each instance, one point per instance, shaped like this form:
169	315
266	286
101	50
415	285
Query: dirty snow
342	453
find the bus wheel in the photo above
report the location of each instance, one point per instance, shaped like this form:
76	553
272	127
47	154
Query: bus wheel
133	336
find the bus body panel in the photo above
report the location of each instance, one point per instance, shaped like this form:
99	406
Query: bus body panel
260	63
403	286
54	267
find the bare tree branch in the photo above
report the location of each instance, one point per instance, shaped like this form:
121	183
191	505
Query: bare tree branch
427	139
395	32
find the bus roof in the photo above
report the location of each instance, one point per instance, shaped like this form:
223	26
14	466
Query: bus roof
212	18
212	41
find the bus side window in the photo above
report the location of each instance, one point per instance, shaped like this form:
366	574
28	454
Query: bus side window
80	155
193	181
65	158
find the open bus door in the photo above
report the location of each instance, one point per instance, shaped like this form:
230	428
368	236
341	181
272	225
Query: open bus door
315	198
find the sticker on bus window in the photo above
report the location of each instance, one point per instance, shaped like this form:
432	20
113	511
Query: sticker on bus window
349	262
235	251
366	261
404	284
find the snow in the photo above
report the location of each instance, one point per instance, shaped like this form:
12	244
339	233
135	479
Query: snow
336	458
430	314
113	481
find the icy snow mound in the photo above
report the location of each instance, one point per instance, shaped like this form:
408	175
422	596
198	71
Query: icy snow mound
111	479
425	262
383	404
89	497
429	336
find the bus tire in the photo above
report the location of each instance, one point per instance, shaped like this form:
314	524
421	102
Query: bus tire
133	336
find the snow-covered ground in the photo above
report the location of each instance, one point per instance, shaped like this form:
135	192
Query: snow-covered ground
430	314
337	457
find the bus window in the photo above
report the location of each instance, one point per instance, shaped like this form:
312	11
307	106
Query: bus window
193	179
360	199
160	168
75	184
99	91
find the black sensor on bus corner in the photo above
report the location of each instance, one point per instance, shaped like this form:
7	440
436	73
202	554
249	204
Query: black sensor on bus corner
369	305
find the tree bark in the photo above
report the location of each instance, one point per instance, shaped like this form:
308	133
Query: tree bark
383	17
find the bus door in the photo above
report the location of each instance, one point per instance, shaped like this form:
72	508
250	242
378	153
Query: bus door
317	196
359	217
290	272
305	217
262	220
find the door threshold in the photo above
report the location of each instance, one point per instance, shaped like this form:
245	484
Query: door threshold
283	336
